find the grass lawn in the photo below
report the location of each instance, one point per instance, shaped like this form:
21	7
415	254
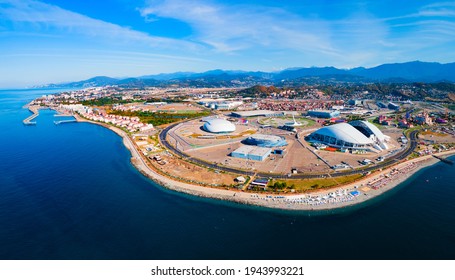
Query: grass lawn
303	185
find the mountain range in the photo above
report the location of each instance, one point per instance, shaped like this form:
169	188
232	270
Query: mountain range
415	71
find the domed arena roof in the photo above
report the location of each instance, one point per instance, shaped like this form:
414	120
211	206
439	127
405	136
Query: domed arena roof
370	128
344	132
218	126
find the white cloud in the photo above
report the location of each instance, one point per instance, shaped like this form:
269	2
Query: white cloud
238	27
45	18
439	5
441	9
356	39
229	36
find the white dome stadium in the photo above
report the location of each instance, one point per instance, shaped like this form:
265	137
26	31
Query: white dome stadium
372	132
341	135
218	126
369	129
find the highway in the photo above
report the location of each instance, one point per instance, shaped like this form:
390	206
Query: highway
390	161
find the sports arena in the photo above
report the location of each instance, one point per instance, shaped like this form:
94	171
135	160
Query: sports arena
218	126
267	141
357	135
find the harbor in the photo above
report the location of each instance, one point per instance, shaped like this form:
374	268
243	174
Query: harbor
34	109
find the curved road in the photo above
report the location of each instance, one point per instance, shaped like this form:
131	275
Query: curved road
392	160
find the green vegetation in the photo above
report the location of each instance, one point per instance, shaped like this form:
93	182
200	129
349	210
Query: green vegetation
314	184
258	90
413	155
381	88
375	123
429	132
160	118
441	86
413	91
351	118
278	185
409	130
176	99
106	101
310	122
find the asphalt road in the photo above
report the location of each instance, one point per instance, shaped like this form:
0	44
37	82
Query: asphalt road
390	161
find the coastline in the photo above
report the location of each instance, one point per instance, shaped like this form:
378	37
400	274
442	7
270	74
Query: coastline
401	172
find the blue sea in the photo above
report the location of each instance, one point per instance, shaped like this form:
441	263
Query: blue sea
69	191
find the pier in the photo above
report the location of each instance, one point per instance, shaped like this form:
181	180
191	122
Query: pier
64	121
63	115
445	160
28	120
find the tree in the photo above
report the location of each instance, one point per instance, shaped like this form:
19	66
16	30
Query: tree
279	185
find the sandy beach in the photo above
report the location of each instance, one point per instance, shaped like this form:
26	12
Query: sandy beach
342	196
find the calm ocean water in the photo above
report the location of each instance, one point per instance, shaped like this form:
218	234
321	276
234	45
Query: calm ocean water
69	192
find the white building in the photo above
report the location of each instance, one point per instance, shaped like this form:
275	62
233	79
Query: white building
357	135
218	126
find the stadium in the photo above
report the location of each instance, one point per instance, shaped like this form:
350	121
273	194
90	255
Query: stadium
218	126
372	132
357	135
267	141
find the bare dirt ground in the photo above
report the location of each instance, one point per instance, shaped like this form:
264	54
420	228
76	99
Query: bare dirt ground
183	170
436	137
296	156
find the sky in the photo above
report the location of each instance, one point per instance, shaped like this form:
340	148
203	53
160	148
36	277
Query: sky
64	40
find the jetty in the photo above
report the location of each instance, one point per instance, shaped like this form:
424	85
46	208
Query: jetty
445	160
64	121
63	115
29	120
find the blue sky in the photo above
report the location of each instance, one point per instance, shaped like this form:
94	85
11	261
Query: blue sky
65	40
